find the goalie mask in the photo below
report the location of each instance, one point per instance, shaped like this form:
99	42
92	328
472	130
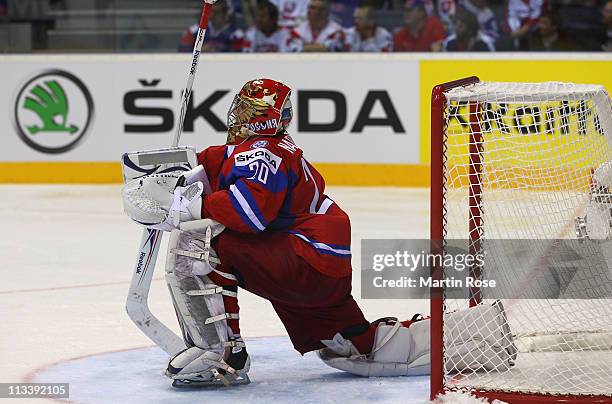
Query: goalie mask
261	108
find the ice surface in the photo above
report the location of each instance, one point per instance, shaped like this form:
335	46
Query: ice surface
456	397
278	375
586	371
67	254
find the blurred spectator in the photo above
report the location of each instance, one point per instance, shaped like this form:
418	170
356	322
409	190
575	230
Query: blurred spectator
547	38
467	36
3	7
486	18
291	13
221	35
420	33
429	6
380	4
241	10
446	11
366	35
343	12
266	35
523	16
319	33
607	20
582	22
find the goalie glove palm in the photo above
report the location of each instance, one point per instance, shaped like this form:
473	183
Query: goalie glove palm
155	201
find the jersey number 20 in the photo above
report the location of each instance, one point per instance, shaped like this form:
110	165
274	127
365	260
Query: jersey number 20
261	171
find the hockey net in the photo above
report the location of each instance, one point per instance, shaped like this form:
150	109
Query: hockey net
515	161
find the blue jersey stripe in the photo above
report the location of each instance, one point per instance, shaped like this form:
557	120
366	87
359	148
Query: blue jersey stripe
243	212
324	248
246	193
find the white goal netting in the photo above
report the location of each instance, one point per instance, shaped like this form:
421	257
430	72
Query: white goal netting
519	165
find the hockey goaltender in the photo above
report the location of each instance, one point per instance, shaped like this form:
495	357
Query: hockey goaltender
268	227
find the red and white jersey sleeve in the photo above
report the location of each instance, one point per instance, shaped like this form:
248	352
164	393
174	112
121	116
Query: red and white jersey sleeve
381	41
282	40
520	12
446	10
332	36
291	13
265	184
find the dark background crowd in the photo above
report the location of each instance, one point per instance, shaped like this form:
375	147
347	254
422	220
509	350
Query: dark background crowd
408	26
307	25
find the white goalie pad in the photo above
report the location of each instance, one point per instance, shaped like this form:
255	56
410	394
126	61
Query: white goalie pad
479	338
404	351
215	356
198	300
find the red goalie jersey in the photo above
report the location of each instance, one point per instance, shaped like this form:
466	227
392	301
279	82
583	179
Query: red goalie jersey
265	184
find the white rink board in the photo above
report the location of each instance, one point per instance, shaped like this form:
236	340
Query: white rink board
109	79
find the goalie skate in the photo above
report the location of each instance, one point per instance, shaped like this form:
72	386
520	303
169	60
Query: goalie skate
195	367
218	380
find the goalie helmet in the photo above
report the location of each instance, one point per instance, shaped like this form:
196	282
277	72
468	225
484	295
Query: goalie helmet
261	108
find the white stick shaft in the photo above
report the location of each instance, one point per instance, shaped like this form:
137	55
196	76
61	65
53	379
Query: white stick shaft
137	302
137	306
197	50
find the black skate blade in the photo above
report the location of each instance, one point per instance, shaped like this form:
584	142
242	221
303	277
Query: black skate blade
199	384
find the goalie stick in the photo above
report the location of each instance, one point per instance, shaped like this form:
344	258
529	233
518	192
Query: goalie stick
137	305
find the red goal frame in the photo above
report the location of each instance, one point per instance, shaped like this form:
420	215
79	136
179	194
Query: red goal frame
437	234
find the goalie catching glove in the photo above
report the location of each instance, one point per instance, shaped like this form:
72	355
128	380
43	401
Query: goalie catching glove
163	201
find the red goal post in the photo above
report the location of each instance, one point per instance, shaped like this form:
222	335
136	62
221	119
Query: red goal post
582	109
436	223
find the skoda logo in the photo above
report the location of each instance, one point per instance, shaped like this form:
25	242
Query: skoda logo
53	111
